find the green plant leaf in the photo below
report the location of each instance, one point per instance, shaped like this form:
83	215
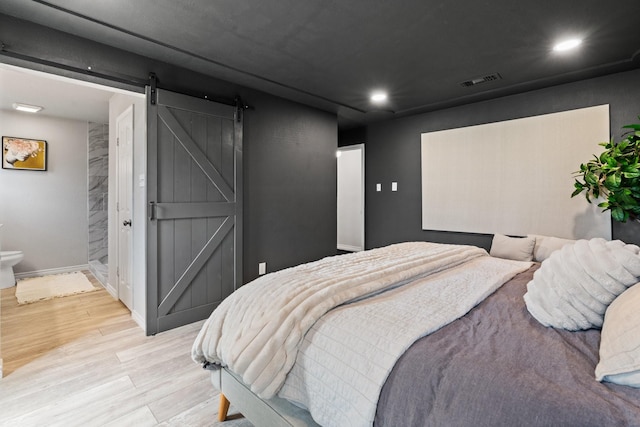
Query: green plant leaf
586	195
614	174
612	163
613	180
628	200
603	157
619	215
591	178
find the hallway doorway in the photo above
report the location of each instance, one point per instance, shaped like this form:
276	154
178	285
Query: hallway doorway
351	198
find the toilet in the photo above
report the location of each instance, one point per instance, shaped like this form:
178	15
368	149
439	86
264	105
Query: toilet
7	260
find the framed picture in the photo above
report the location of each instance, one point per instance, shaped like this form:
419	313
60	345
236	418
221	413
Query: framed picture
24	154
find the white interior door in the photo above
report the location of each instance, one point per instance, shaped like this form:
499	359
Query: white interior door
351	198
124	129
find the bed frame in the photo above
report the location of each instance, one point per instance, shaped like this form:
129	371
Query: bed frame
275	412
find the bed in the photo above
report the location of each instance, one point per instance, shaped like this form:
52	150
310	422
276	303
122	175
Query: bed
485	360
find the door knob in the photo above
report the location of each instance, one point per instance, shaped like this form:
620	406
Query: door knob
126	222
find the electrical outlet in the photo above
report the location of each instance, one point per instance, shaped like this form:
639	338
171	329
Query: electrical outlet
262	268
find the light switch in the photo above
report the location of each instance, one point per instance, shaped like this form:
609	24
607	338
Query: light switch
394	186
141	180
378	187
262	268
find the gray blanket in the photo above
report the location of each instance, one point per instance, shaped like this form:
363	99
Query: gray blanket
498	366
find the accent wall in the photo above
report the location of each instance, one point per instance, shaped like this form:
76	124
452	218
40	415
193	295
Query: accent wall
393	152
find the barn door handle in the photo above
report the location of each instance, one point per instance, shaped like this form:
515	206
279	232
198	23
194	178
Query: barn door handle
152	211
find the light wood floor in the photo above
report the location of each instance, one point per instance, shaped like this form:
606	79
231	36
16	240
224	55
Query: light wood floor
82	361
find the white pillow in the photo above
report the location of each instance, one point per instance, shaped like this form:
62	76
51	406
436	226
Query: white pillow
620	340
545	245
516	248
573	288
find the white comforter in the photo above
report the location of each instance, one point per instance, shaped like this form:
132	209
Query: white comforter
348	354
257	330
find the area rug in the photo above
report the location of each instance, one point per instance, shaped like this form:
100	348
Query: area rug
54	286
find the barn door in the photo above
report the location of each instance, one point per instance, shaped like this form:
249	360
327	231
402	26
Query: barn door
194	189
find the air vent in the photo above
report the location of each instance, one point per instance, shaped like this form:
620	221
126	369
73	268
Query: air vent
483	79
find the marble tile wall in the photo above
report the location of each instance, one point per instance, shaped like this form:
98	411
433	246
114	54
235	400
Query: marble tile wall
98	181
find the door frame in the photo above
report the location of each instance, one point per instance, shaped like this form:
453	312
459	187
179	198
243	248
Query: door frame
115	85
127	269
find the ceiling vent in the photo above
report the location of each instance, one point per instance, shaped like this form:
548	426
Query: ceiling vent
483	79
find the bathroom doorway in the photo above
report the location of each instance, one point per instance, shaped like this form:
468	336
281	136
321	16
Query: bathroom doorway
80	211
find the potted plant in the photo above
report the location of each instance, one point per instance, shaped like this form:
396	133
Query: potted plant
614	176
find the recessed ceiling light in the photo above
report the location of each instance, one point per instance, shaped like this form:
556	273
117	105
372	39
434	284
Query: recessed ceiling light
27	108
378	97
567	45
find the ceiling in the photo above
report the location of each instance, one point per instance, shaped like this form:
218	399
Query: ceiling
333	54
59	96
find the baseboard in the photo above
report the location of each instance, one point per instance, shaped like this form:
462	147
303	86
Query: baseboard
49	271
139	320
98	273
349	248
112	291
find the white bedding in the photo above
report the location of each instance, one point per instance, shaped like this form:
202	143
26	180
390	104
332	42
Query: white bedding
347	355
257	330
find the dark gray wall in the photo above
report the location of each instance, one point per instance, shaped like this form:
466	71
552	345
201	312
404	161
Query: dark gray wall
290	184
393	151
289	149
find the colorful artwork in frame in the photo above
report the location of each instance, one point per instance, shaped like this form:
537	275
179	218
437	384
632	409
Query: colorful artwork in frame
24	153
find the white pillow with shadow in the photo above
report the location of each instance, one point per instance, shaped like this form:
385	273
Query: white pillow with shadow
515	248
546	245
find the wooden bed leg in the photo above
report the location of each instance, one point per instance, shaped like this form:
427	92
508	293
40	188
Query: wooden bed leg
223	408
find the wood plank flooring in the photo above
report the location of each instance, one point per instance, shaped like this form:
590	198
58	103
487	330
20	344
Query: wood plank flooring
82	361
